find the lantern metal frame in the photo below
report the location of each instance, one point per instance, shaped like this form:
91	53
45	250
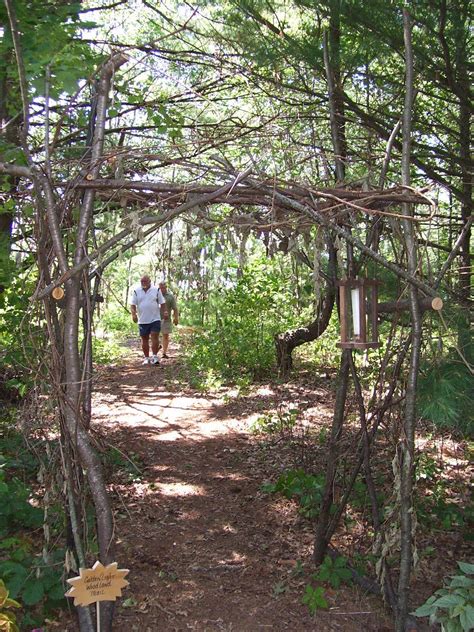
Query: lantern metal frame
364	302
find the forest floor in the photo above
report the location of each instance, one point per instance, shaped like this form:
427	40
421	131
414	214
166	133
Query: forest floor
206	548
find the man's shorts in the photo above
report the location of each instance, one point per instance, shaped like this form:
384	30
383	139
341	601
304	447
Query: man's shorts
166	326
150	328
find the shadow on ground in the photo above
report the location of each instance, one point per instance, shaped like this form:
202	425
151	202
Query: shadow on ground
207	549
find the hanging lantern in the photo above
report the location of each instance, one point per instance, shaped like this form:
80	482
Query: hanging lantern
358	314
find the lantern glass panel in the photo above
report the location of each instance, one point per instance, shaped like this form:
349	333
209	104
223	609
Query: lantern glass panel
358	313
355	306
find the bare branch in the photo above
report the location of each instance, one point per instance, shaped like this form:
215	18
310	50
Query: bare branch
321	219
21	73
16	170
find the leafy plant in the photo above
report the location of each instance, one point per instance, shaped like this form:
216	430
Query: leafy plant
15	510
445	395
7	619
128	464
105	351
297	484
239	341
274	423
427	467
118	321
314	599
436	507
23	570
453	605
334	572
280	588
14	358
28	577
18	385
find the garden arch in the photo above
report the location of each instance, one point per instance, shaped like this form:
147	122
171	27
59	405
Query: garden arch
265	202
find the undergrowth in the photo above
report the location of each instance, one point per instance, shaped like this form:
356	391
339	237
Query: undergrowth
239	342
31	576
446	395
442	500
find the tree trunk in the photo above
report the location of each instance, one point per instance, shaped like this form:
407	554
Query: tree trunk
287	341
465	273
10	132
321	539
407	444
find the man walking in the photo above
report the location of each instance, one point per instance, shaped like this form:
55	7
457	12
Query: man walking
148	307
166	326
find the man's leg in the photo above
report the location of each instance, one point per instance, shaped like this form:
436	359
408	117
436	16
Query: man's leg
155	329
146	345
166	341
155	342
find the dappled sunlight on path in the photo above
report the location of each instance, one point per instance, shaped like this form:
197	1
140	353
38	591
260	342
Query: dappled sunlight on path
206	548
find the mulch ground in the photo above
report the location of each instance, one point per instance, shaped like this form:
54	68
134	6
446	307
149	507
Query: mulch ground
207	549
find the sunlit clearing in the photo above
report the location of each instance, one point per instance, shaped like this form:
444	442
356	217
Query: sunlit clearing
265	391
180	489
170	436
235	558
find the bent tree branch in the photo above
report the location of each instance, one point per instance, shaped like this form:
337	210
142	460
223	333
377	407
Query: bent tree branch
287	341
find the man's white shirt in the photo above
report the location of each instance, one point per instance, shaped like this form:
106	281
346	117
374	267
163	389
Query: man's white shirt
148	304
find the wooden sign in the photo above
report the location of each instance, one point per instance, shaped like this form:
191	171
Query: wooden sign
57	293
99	583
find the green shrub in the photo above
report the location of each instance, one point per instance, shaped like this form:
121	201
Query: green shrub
15	510
128	465
275	423
240	342
106	351
307	489
119	322
18	320
334	572
445	395
326	353
314	599
23	569
453	605
8	621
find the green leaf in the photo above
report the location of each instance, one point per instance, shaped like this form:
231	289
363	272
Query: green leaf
426	609
460	581
467	618
466	568
33	591
129	602
314	598
56	592
15	584
448	601
8	622
335	581
324	574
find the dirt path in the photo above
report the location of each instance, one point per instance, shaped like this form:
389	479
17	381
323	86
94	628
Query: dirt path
206	548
